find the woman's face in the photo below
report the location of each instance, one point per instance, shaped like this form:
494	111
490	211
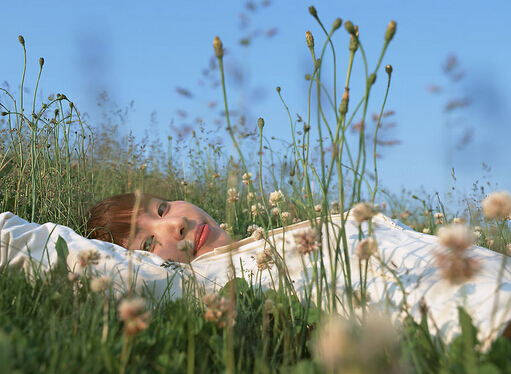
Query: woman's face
166	226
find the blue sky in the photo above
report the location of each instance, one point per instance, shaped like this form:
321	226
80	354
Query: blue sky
144	51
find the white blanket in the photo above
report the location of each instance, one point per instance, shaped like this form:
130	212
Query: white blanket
410	255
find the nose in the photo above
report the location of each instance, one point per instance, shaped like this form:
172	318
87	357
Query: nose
177	226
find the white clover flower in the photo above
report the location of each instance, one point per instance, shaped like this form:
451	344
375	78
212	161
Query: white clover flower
276	197
259	233
457	237
130	311
252	228
307	240
247	178
100	284
318	208
363	211
216	309
88	257
264	259
286	217
251	196
275	211
256	209
366	247
425	230
233	195
405	214
459	221
497	205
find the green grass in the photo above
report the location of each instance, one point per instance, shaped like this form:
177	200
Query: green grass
53	166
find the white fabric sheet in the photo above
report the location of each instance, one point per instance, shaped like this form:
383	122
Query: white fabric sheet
410	255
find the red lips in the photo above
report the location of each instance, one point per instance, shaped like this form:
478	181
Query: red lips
201	235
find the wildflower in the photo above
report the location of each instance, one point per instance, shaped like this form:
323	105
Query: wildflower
224	226
307	240
457	267
363	211
264	259
88	257
256	209
459	221
216	309
335	207
286	217
497	205
454	264
100	284
258	233
318	208
478	231
366	247
439	218
457	237
247	178
425	230
185	245
130	312
233	195
252	228
251	196
405	214
216	175
276	197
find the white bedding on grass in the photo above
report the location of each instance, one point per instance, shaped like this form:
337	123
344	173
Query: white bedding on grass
410	255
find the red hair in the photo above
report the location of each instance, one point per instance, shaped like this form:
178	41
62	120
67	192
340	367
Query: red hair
110	219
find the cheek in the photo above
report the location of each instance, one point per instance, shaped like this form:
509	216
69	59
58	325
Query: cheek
168	254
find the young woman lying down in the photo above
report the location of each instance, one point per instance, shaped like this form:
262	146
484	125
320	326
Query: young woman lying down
176	240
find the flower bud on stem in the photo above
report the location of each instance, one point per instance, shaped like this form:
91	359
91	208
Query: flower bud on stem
391	30
217	46
310	39
343	108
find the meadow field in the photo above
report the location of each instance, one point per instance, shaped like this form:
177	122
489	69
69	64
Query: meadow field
55	164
